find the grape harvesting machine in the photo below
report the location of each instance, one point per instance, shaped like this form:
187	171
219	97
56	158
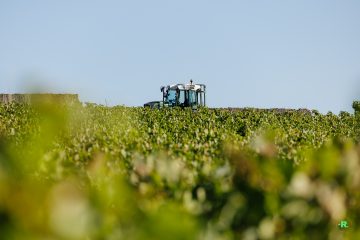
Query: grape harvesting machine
181	95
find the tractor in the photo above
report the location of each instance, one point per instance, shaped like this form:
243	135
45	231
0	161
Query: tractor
180	95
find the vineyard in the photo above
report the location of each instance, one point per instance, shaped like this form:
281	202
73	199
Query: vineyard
93	172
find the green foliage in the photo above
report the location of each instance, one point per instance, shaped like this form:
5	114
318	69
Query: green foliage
356	106
93	172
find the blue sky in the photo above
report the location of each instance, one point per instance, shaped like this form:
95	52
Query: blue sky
296	54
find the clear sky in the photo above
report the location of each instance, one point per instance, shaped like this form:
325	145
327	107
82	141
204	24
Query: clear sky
297	54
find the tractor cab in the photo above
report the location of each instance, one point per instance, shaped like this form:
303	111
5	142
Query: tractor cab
181	95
